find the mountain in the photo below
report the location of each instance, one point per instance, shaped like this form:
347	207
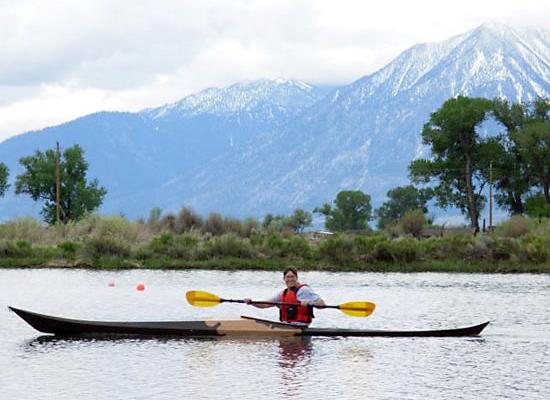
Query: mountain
363	136
272	146
136	155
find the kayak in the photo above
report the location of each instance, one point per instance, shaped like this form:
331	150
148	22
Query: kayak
244	326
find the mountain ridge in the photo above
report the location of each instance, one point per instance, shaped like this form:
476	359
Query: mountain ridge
274	145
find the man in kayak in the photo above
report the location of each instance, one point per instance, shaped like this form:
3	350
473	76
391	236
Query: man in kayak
297	293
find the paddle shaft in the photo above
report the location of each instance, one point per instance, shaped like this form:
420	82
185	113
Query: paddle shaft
272	303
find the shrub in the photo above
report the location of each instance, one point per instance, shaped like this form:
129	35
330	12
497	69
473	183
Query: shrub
393	231
503	248
275	245
24	229
154	219
539	227
299	247
383	251
105	246
365	245
276	225
513	228
479	249
339	249
15	248
116	227
537	248
69	248
250	227
413	222
454	246
228	245
167	223
84	228
171	246
213	224
404	250
232	225
257	240
187	220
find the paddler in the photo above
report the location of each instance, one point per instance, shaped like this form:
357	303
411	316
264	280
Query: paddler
295	292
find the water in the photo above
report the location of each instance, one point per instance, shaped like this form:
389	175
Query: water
510	360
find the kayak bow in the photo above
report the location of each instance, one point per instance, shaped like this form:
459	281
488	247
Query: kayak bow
245	326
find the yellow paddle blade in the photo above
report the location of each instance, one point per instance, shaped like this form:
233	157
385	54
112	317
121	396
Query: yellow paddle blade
357	308
202	299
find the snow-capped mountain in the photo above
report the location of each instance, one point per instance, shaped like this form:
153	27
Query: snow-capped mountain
364	135
268	99
272	146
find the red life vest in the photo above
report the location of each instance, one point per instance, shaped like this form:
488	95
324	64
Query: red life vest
295	313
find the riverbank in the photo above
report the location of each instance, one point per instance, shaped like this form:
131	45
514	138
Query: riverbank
111	243
235	264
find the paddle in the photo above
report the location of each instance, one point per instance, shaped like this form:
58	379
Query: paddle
204	299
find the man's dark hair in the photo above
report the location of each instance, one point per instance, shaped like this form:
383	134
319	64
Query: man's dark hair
290	269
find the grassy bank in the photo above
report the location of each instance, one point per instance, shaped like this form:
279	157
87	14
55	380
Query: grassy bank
518	245
116	263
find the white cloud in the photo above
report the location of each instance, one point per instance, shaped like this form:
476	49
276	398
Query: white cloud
61	59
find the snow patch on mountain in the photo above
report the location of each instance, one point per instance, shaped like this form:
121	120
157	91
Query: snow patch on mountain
267	97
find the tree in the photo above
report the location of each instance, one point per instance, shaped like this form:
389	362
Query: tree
4	172
534	147
352	211
458	155
511	180
274	223
514	171
299	220
536	206
78	197
401	200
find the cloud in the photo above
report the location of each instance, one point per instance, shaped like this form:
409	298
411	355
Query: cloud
129	55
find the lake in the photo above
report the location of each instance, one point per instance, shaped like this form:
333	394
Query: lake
510	360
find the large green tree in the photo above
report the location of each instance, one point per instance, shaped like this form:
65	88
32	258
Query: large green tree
515	169
458	155
510	177
534	147
4	172
77	195
400	200
352	211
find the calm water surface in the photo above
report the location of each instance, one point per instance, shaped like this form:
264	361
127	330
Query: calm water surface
510	360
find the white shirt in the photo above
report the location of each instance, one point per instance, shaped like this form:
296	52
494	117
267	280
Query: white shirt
303	294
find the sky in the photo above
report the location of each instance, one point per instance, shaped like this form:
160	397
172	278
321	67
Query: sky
67	58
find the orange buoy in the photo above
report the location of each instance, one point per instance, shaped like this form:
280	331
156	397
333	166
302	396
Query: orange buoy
140	286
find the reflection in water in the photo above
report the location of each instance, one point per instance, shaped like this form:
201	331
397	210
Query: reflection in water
295	355
294	351
53	340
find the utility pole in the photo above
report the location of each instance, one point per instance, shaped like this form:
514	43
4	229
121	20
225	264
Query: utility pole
490	196
57	184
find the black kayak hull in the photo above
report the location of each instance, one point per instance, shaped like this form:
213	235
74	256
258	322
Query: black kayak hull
245	326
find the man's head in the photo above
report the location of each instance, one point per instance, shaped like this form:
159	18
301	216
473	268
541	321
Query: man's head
290	276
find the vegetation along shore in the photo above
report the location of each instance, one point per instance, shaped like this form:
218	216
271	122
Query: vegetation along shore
176	241
514	163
